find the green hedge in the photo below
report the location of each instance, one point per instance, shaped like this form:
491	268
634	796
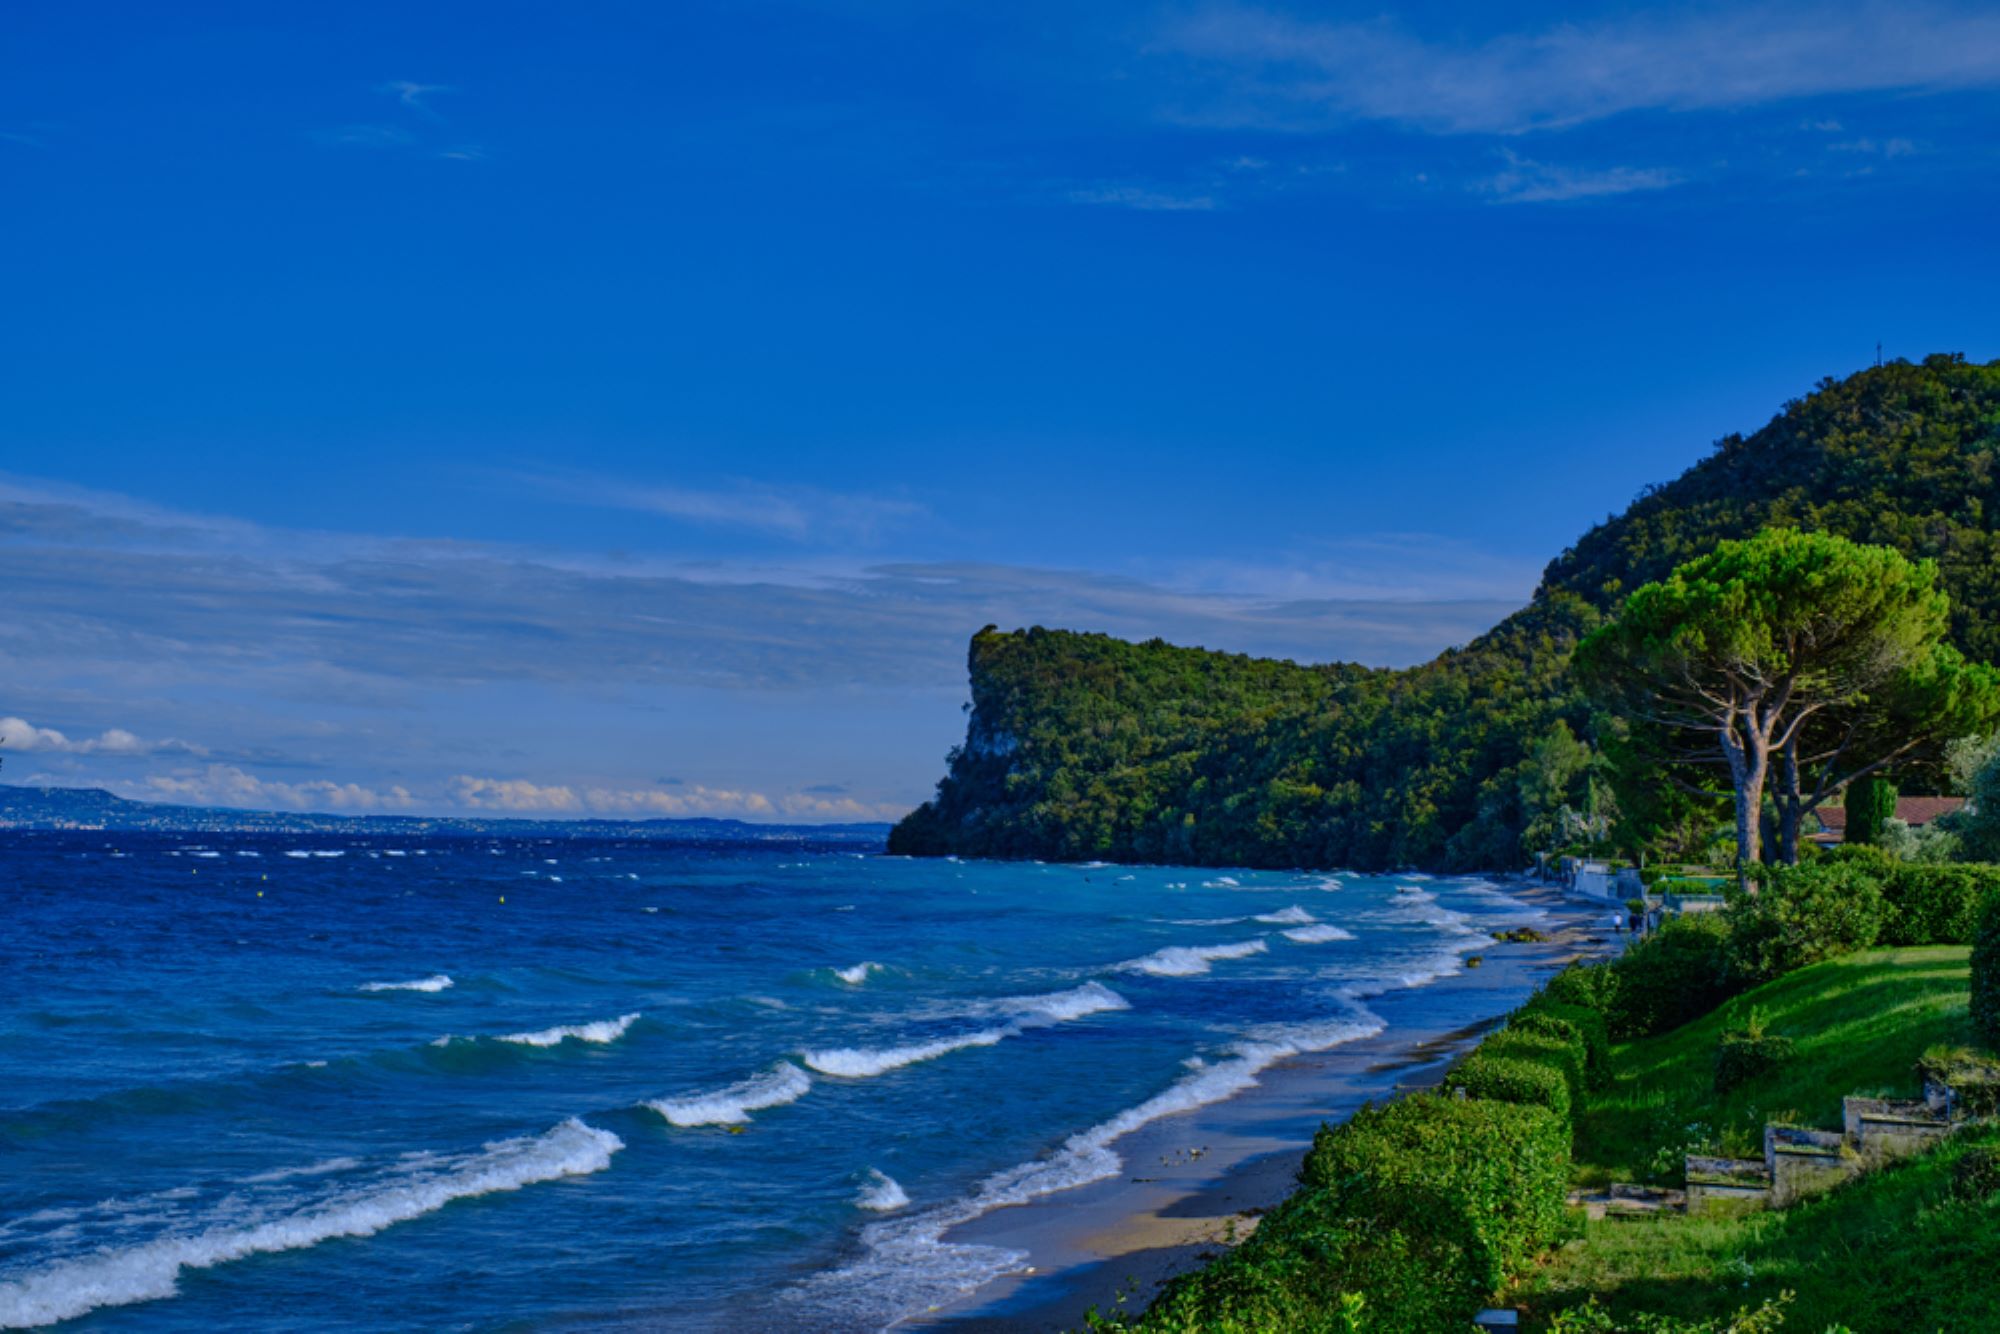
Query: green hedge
1679	972
1564	1053
1743	1057
1510	1079
1935	905
1986	975
1484	1179
1587	1024
1407	1219
1802	915
1591	986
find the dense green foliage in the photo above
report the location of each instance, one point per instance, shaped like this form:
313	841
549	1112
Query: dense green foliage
1406	1219
1509	1079
1080	746
1677	973
1801	915
1902	1250
1986	975
1787	664
1935	905
1586	1023
1871	804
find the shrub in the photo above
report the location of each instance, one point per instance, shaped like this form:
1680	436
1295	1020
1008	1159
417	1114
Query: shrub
1486	1180
1801	915
1564	1054
1590	1318
1977	1175
1749	1053
1864	855
1935	905
1986	974
1588	1025
1594	986
1678	973
1871	804
1507	1079
1973	1079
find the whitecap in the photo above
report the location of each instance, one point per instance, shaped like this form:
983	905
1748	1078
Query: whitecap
603	1030
437	983
1292	916
858	974
1189	960
868	1062
1058	1007
322	1168
881	1193
1222	882
908	1266
786	1083
151	1270
1319	934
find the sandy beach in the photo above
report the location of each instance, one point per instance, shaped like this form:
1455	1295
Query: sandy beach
1197	1183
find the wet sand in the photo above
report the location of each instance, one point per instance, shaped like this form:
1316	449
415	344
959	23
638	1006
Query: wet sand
1195	1184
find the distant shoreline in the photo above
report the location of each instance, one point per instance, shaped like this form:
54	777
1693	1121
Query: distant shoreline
1195	1182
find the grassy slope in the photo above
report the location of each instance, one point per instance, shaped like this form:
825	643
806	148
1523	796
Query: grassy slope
1891	1254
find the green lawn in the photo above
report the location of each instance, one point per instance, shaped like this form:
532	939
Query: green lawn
1893	1253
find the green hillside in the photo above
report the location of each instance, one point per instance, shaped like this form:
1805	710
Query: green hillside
1082	746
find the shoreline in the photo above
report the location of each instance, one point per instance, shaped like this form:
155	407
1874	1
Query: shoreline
1195	1183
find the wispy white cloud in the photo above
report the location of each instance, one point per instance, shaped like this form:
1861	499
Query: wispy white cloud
367	136
1525	181
797	513
1867	147
1144	199
414	95
1272	69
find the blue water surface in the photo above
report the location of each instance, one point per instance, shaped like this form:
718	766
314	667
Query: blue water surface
327	1083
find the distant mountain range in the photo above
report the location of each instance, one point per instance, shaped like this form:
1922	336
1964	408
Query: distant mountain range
84	808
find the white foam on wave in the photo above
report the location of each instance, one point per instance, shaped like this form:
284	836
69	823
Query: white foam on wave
909	1266
323	1168
1222	882
1056	1007
1319	934
439	982
868	1062
1190	960
1022	1012
603	1030
151	1270
881	1193
1292	916
858	974
785	1083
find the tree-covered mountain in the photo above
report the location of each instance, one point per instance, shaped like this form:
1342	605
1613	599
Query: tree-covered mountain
1083	746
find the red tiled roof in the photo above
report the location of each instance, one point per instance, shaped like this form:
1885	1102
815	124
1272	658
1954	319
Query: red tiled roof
1913	811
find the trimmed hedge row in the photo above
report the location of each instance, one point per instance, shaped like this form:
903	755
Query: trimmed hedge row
1986	975
1935	905
1510	1079
1412	1213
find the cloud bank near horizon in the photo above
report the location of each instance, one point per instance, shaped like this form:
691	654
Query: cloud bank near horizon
341	672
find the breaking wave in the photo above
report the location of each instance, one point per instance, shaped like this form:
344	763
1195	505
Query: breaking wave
151	1270
604	1030
786	1083
437	983
1189	960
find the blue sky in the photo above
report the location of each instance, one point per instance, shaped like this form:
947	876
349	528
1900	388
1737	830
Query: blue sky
632	409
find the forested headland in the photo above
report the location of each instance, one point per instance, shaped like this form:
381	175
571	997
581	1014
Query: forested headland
1083	746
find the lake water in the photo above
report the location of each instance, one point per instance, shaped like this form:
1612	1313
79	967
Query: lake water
322	1083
